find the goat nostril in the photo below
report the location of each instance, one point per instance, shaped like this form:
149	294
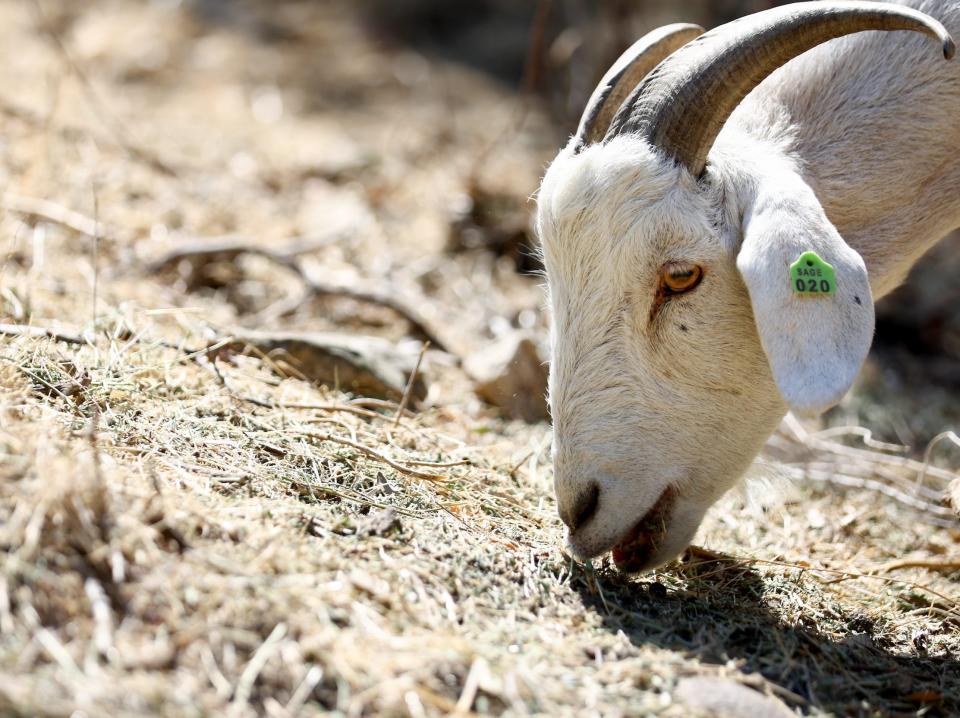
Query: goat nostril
586	507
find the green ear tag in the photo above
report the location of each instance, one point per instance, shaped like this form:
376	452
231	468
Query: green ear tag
810	276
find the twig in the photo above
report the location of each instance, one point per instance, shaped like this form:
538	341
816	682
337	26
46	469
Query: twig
49	642
21	330
48	211
373	403
234	246
356	497
438	464
471	686
380	299
759	682
812	441
217	679
345	408
929	564
516	467
903	479
535	42
231	246
945	435
409	387
865	435
102	617
932	514
322	436
302	692
256	663
96	252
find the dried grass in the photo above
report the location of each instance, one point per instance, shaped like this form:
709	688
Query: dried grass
186	534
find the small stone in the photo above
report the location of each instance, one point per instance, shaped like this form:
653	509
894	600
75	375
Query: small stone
381	523
512	376
726	698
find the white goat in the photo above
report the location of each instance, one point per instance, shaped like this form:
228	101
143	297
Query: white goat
669	225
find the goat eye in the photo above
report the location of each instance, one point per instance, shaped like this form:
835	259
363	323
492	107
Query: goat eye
679	278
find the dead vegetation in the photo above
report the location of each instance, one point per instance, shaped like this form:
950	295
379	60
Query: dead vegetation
195	519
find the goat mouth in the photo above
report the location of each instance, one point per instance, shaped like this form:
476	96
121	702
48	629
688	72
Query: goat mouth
634	551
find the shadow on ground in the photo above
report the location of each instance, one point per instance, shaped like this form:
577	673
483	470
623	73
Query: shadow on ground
831	660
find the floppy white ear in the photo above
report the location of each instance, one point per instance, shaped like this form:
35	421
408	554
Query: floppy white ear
815	342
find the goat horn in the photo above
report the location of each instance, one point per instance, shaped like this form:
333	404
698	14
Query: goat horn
682	105
626	73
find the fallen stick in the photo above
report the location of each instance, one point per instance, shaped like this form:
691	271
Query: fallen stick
381	299
345	408
22	330
322	436
47	211
231	247
929	564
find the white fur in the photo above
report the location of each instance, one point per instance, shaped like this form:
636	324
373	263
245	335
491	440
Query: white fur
849	150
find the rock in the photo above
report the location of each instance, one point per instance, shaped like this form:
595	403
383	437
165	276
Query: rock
726	698
381	523
363	365
512	376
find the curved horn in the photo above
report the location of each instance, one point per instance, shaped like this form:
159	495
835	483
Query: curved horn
626	73
681	106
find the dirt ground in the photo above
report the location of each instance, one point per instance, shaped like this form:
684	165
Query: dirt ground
191	525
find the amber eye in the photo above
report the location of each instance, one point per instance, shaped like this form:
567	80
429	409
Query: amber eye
677	278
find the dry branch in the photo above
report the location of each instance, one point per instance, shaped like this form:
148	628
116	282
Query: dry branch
947	565
229	248
899	477
323	436
47	211
304	406
387	299
405	399
21	330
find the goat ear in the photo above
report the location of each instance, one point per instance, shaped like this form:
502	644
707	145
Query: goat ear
815	342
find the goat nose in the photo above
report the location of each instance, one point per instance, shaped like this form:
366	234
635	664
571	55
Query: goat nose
578	512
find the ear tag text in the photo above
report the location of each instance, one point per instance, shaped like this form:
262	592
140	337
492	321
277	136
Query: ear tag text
810	276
